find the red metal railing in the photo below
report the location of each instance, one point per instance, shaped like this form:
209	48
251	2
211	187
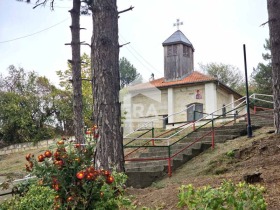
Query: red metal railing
170	157
262	108
152	139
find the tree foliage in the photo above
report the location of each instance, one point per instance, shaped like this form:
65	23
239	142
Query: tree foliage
262	75
128	73
65	83
27	106
227	74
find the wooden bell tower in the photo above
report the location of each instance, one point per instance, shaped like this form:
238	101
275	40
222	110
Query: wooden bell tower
178	55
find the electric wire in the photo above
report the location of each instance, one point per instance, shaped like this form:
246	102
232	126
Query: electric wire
150	65
22	37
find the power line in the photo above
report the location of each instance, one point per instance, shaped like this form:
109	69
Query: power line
10	40
139	60
151	66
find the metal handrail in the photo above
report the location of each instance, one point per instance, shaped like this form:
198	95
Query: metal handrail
203	118
145	144
136	138
170	157
152	121
259	94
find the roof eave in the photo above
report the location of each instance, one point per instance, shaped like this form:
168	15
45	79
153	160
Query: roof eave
177	42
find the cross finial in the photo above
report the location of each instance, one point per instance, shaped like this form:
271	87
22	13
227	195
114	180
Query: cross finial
178	23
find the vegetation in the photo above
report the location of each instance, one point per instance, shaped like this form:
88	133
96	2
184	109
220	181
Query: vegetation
228	196
227	74
32	199
28	106
66	178
65	83
262	75
128	73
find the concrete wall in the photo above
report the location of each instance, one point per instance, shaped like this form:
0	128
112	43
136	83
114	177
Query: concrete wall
223	99
185	96
146	106
26	146
210	97
173	100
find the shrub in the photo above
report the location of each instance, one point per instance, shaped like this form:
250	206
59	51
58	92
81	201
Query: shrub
37	197
69	171
228	196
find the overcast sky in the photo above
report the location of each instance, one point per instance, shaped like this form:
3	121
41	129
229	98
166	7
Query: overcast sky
217	29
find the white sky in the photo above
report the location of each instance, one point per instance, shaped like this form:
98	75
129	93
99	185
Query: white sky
217	29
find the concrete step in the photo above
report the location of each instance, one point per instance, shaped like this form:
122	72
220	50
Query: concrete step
218	131
143	179
142	164
265	112
157	152
259	123
178	145
164	154
228	127
183	156
143	174
152	168
218	138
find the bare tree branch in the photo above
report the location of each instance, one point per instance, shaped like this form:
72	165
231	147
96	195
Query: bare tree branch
124	44
130	8
267	22
83	43
38	3
52	5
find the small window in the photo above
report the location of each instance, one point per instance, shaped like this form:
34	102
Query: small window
174	49
169	50
189	51
185	50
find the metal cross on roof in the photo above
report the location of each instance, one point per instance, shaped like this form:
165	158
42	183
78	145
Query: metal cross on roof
178	23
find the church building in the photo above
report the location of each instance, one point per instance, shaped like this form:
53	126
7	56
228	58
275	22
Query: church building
181	91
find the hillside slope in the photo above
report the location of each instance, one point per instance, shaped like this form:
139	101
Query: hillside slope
231	160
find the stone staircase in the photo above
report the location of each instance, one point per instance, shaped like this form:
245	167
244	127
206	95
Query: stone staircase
142	174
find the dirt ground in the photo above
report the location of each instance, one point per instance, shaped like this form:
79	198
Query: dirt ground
261	153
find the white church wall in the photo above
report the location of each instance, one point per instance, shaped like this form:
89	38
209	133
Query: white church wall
210	98
224	98
170	104
149	105
184	96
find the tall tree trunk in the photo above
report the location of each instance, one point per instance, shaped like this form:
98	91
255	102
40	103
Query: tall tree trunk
106	85
76	72
273	7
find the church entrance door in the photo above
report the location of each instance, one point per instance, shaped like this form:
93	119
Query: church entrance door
194	112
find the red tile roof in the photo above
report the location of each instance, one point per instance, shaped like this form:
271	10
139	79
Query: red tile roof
194	77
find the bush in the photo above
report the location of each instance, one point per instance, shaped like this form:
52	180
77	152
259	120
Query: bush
37	197
78	185
228	196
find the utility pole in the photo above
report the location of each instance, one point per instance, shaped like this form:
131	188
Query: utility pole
249	127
